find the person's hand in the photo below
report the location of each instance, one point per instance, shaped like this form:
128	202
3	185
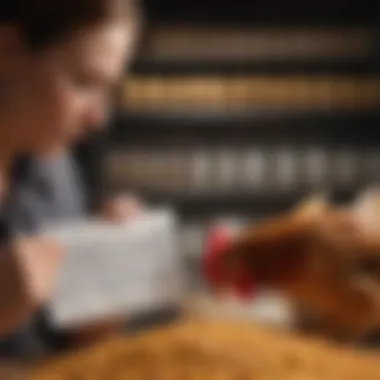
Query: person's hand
28	270
121	208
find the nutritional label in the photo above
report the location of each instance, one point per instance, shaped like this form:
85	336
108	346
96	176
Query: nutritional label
110	270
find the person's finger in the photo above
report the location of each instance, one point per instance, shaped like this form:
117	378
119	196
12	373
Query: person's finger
123	208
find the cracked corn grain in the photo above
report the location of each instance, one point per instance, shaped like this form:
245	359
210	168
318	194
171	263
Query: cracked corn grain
212	350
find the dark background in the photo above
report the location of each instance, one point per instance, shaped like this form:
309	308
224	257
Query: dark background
343	128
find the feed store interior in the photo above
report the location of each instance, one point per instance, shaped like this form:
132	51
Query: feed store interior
254	127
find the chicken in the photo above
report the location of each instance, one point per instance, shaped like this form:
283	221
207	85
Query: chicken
326	258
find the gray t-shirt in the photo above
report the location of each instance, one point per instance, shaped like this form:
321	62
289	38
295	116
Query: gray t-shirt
43	191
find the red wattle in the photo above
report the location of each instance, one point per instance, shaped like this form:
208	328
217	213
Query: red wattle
245	287
216	242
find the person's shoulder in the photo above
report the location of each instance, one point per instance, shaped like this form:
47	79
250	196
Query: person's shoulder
53	164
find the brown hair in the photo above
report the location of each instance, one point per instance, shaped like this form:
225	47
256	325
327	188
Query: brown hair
45	22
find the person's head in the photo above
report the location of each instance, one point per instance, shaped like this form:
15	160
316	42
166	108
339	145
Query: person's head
59	62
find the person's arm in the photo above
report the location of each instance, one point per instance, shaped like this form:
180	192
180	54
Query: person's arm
14	307
28	268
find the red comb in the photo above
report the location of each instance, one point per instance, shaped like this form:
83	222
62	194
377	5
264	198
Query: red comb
217	240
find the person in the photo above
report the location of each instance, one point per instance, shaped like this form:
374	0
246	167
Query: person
58	65
49	190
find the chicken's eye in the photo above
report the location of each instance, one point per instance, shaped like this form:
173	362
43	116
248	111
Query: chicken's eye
369	266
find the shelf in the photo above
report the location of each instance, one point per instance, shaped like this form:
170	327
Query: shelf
190	204
250	92
171	68
213	203
262	12
258	115
303	47
348	124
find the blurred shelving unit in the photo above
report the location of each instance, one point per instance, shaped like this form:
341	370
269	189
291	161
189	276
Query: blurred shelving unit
239	111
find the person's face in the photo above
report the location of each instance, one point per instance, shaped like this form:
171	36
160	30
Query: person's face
58	95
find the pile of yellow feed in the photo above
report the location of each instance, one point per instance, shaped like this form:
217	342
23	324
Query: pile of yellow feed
212	350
